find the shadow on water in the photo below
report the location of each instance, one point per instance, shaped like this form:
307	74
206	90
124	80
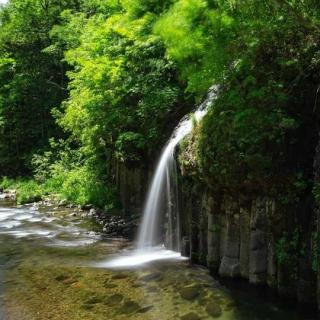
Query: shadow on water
265	302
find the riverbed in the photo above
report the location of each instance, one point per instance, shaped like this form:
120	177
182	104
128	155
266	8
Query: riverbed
56	265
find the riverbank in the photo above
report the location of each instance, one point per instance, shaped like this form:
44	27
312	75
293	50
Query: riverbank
111	222
67	190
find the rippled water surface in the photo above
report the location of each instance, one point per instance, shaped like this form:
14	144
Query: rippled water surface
53	265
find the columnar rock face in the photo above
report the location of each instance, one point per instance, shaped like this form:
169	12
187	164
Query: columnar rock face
245	238
258	254
132	185
230	242
257	238
316	168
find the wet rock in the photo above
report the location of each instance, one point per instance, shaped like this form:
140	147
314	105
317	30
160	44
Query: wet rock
190	316
92	212
190	292
214	310
8	194
62	203
115	225
153	276
87	207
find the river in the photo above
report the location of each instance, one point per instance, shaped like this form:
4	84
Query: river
52	267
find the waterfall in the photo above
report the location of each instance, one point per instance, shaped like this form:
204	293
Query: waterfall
162	199
162	205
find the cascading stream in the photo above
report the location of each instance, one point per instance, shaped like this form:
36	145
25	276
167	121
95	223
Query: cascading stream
162	195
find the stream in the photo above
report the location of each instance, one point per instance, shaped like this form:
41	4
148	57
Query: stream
53	265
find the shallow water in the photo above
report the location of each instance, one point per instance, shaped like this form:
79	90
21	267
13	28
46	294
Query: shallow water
52	266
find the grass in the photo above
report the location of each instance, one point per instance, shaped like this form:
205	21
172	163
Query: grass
76	187
28	190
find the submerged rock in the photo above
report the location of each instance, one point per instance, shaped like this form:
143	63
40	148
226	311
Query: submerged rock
152	276
115	299
190	316
190	292
214	310
86	306
129	307
61	277
120	276
145	309
110	285
66	279
229	306
152	289
94	300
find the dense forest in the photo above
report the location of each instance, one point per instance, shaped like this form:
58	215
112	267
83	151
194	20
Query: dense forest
87	83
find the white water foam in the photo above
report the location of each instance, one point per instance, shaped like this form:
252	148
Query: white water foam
141	257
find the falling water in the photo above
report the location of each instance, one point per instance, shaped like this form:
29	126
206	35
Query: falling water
162	205
163	194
